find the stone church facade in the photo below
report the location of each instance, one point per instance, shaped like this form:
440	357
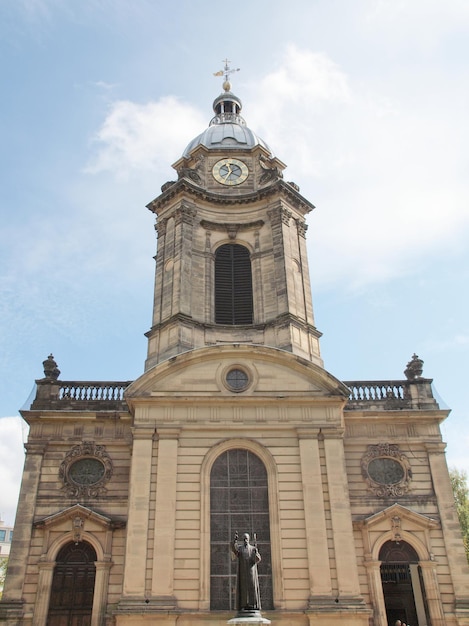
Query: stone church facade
133	490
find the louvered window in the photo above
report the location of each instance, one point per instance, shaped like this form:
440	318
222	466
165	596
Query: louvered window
233	285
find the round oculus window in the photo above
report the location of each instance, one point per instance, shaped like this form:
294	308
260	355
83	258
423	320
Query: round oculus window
86	471
386	471
237	380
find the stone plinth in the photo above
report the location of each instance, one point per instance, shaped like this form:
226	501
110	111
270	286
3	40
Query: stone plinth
251	618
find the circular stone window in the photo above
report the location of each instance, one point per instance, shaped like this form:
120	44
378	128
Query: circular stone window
86	471
237	379
386	471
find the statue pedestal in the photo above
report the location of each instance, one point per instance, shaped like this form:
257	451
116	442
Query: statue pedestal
248	617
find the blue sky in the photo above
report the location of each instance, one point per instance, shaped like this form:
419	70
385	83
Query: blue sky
365	101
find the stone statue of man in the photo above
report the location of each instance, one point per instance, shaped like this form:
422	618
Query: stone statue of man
248	556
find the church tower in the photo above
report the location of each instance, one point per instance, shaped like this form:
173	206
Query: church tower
133	491
231	261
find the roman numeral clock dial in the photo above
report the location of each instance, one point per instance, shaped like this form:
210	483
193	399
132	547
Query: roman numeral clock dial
230	172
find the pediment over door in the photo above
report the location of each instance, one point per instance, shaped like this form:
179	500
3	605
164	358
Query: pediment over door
397	523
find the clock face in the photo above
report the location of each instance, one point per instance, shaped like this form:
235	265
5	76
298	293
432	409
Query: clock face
86	471
385	471
230	172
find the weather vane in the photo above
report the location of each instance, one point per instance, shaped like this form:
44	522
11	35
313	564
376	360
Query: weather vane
226	72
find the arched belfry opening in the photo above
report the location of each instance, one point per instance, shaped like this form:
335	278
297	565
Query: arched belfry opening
239	502
403	589
71	600
233	285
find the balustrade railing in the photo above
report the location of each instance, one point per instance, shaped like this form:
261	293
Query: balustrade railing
222	118
379	393
80	395
92	391
109	395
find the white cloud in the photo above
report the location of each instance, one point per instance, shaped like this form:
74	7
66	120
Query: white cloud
384	166
12	435
384	169
144	137
304	76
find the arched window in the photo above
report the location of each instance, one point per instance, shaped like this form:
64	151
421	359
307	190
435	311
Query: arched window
71	600
233	285
239	502
402	585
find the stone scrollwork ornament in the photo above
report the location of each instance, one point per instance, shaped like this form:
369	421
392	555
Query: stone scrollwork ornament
270	171
86	469
192	173
386	470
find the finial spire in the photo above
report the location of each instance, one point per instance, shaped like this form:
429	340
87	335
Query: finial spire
226	72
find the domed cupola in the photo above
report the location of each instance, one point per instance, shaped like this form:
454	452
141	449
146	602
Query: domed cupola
228	157
228	128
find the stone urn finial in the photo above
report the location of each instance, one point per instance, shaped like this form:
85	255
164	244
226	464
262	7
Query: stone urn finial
51	371
414	368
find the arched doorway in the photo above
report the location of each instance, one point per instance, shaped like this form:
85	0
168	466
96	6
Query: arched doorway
239	501
402	588
71	601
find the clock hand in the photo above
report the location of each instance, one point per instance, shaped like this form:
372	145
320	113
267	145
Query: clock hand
229	172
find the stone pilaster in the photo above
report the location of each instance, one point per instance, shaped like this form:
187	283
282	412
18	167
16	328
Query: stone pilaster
44	586
160	260
307	296
139	506
315	520
418	595
100	592
280	219
165	521
376	592
449	521
341	518
18	561
182	277
432	594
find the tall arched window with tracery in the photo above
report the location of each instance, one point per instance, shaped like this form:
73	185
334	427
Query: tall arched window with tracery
233	285
239	502
71	600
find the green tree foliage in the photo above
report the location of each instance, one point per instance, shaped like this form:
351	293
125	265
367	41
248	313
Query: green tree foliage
3	571
461	497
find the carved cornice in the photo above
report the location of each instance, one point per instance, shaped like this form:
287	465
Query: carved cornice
230	227
302	228
282	320
280	214
185	186
184	214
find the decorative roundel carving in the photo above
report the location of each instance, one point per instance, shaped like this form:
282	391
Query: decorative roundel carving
85	470
386	470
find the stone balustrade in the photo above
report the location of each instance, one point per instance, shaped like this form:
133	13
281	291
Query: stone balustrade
80	395
381	395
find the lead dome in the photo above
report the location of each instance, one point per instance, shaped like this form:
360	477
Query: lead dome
228	128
